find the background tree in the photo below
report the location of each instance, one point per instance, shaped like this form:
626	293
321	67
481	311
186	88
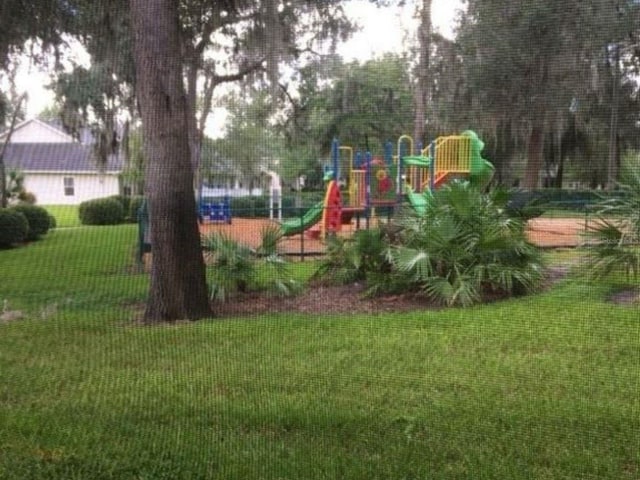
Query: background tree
527	62
4	191
23	20
252	142
231	41
421	86
366	105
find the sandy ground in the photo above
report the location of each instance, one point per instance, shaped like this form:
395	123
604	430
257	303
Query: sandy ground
557	232
544	232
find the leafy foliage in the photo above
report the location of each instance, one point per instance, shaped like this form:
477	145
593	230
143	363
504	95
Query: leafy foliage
534	66
13	227
361	258
617	232
16	191
234	267
230	265
38	220
101	211
465	246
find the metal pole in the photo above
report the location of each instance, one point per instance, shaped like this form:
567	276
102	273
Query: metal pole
301	214
432	167
612	166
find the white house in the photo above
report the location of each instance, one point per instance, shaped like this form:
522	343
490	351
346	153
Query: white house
57	169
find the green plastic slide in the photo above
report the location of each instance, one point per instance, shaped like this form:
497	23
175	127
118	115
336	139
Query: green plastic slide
419	201
416	161
300	224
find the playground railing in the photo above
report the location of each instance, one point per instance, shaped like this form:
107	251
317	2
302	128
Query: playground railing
453	154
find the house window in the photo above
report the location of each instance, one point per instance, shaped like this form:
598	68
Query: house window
69	190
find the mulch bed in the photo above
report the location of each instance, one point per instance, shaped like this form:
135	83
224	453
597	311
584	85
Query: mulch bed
322	299
628	296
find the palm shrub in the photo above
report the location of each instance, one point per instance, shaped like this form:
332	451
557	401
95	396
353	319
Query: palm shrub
230	266
360	258
466	245
275	268
616	234
234	267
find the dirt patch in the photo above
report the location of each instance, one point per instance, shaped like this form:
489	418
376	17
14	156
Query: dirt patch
557	232
344	300
321	300
628	296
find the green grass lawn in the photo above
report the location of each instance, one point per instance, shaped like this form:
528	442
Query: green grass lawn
544	387
65	215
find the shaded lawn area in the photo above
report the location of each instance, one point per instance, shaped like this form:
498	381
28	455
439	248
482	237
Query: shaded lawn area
539	387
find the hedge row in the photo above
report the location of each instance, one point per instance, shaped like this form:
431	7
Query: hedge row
258	206
101	211
130	206
13	227
111	210
22	223
570	199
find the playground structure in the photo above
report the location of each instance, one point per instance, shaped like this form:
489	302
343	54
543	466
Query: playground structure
373	182
275	194
215	212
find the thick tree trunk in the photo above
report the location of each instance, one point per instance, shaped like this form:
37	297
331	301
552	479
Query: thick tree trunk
535	157
421	94
178	287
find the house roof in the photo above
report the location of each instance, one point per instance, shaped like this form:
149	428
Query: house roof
53	128
56	158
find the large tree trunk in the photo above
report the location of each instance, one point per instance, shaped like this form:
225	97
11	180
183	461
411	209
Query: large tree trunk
178	287
535	157
421	94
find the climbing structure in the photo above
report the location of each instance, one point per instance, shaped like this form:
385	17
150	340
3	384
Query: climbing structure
446	159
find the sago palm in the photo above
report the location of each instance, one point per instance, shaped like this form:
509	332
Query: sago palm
466	245
234	267
361	258
616	235
230	265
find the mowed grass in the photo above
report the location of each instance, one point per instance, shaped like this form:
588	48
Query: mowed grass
65	215
538	387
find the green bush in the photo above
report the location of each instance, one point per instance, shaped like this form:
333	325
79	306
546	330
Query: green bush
466	246
13	227
362	257
130	204
37	219
124	200
250	207
258	206
101	211
233	266
616	232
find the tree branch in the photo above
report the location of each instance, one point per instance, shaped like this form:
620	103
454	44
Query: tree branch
239	75
3	176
